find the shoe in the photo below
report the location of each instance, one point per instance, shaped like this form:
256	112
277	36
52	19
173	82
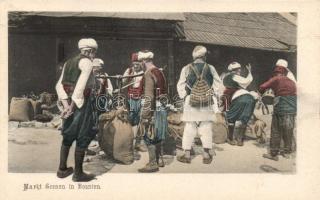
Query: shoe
271	157
83	177
149	168
240	143
184	159
63	170
64	173
285	155
161	162
231	142
207	160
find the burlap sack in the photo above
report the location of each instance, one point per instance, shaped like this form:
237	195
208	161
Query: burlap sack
116	137
220	129
174	118
21	110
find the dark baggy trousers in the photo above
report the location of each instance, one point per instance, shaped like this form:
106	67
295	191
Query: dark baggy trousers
281	129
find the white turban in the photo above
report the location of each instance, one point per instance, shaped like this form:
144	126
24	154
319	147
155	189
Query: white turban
97	62
233	66
282	63
198	52
143	55
87	43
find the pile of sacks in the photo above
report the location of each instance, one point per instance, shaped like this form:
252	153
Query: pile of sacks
42	108
176	127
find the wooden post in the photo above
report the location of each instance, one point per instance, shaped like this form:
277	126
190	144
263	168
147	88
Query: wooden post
171	71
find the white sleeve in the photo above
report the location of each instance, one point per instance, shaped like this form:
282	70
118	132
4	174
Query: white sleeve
59	87
85	65
217	85
126	73
291	76
182	83
109	89
243	82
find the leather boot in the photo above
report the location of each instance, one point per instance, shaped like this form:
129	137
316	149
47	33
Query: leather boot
230	139
152	165
239	134
159	154
79	175
63	170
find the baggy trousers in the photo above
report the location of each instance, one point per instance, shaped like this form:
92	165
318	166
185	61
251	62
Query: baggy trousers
204	129
281	128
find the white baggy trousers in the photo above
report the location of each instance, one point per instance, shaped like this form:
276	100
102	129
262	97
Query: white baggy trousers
204	129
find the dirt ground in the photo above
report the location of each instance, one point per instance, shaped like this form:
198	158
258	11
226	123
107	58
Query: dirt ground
36	150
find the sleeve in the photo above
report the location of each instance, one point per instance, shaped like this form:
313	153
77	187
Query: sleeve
266	85
85	65
243	82
110	87
291	76
149	86
126	73
217	84
59	87
182	83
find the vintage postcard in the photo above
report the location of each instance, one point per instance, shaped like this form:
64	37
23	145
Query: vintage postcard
137	101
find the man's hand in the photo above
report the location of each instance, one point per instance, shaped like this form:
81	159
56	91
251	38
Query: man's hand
68	111
248	67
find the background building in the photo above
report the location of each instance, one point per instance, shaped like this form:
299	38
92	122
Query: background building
39	42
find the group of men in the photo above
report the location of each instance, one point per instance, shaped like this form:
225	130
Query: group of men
199	86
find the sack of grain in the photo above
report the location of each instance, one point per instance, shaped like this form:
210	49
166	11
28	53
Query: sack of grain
21	110
220	129
116	137
174	118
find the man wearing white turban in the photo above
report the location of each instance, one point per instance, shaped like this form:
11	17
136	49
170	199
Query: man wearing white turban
240	101
198	113
74	91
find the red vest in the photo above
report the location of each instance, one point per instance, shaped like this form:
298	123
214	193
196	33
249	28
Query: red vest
135	93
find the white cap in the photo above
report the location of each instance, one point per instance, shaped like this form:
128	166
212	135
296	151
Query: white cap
282	63
198	52
97	62
143	55
87	43
233	66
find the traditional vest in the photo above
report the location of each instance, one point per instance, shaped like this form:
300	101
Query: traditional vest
71	75
228	82
160	82
192	78
72	71
231	88
135	92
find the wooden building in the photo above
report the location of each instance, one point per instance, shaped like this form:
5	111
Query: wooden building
40	41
